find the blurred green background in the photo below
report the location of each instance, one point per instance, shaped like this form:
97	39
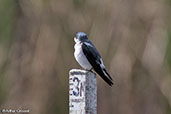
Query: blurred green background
36	53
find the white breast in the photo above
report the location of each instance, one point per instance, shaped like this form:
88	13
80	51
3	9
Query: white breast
80	57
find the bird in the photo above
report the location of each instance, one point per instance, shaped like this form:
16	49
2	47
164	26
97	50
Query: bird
89	58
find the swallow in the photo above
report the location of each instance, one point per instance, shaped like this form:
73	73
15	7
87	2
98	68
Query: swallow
89	58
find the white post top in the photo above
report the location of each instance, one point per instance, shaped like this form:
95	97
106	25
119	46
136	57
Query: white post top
82	92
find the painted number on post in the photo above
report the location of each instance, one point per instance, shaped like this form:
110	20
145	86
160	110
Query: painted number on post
77	88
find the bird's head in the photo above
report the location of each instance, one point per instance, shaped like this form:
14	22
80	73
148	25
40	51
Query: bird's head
80	37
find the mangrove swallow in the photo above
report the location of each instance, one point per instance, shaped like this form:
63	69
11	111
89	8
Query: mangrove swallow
89	58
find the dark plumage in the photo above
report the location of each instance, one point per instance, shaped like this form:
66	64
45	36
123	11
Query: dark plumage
88	57
94	59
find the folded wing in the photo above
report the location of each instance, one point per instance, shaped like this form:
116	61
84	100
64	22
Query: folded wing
95	60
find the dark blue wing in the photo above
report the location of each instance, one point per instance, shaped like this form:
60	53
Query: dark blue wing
94	59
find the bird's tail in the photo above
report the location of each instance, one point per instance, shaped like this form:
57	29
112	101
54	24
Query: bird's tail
105	76
107	80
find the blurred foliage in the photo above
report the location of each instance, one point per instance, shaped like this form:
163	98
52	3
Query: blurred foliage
168	56
7	14
36	53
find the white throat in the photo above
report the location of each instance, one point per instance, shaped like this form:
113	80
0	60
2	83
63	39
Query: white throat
76	40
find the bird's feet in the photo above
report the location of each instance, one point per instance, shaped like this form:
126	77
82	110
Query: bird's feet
90	70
